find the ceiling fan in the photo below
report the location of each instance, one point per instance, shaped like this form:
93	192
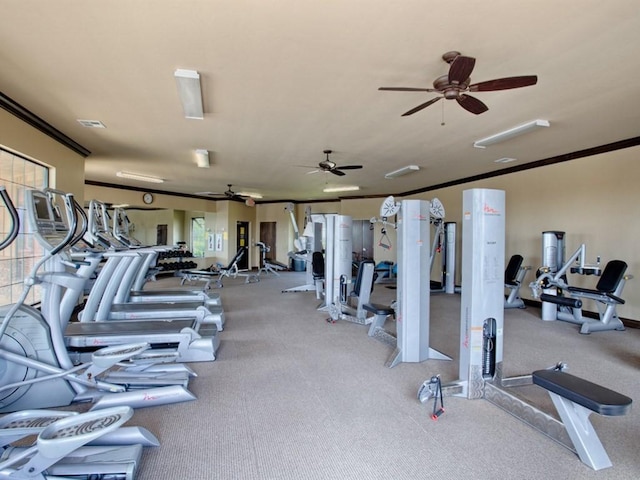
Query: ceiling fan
231	194
328	166
453	85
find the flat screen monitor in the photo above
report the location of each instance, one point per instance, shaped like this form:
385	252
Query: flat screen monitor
41	207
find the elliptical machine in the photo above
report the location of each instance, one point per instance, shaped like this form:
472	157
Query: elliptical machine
37	371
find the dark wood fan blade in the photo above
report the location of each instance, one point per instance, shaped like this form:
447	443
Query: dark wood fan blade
349	167
420	107
504	83
471	104
337	172
461	69
406	89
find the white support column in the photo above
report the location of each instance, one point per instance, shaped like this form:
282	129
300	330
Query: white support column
483	239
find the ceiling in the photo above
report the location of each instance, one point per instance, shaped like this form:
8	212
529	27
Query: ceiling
283	80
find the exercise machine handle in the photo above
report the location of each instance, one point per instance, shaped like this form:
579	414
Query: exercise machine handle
15	219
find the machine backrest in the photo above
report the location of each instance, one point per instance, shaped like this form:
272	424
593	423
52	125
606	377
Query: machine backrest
513	267
317	264
611	276
358	282
236	258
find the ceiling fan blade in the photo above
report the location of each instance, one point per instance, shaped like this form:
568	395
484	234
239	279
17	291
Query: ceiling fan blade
406	89
504	83
312	171
471	104
461	69
349	167
338	172
420	107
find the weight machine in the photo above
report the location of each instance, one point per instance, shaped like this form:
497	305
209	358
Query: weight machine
268	265
305	245
411	340
443	243
560	301
481	344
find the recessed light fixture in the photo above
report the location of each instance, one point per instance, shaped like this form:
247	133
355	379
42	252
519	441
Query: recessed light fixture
188	82
346	188
91	123
512	132
140	177
202	158
505	160
402	171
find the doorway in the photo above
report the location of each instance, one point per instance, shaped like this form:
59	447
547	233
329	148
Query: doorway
242	236
268	237
162	234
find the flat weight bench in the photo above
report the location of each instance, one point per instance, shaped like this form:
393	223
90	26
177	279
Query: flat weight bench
575	399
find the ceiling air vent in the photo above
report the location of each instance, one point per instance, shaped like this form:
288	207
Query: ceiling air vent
91	123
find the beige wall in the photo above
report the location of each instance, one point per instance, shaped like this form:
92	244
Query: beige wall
67	167
594	200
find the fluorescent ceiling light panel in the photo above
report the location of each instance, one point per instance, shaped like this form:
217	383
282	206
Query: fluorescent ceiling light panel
202	158
346	188
249	194
91	123
188	82
140	177
512	132
505	160
402	171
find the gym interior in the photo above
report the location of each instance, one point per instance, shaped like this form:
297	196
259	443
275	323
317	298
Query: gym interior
295	389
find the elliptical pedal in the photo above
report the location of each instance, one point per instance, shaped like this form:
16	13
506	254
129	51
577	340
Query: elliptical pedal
60	448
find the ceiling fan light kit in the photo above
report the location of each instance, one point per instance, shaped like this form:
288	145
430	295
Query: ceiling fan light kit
402	171
510	133
190	94
202	158
139	177
331	167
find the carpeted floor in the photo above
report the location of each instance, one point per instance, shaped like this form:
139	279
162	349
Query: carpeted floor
294	397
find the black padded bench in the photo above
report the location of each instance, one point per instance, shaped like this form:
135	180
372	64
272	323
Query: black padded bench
575	399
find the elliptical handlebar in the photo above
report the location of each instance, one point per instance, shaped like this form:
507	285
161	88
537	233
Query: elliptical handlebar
15	224
72	218
85	222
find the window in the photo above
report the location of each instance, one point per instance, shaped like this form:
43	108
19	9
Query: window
18	174
198	237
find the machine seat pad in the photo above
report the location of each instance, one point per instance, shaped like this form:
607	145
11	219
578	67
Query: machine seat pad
202	273
594	397
378	309
596	293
